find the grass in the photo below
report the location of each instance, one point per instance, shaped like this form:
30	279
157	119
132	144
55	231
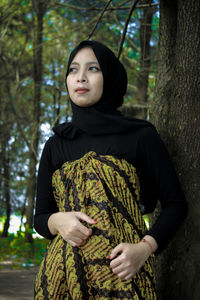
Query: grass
18	253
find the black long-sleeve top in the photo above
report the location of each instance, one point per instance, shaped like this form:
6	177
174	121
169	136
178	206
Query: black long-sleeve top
144	149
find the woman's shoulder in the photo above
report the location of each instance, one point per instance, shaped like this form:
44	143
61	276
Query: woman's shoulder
52	140
149	139
51	146
146	133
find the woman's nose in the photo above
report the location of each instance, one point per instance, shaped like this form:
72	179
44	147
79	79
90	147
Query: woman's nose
81	77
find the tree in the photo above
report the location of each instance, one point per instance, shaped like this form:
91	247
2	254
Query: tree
145	56
7	123
176	114
40	8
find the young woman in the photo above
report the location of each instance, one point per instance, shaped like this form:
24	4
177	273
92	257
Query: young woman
97	176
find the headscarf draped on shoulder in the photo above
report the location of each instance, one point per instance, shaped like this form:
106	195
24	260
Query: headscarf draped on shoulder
102	117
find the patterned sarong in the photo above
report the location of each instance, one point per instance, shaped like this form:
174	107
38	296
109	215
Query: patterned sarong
107	189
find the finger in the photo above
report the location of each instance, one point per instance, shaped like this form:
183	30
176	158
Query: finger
84	230
84	217
123	274
118	269
72	243
118	249
116	262
129	276
76	242
80	234
75	233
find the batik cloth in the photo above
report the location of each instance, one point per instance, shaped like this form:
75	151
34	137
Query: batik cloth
106	188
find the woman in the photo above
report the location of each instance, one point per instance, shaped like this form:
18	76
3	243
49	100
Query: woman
97	175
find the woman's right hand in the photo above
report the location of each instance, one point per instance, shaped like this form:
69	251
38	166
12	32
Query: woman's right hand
69	226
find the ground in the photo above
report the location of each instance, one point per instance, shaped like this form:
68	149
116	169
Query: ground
17	284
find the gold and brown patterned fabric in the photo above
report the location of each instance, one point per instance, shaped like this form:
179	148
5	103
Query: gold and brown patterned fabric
107	189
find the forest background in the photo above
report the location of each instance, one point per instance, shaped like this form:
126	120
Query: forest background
159	44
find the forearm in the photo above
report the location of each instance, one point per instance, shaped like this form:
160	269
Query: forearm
52	223
45	201
167	225
41	225
159	181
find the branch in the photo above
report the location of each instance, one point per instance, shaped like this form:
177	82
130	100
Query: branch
120	7
128	38
18	122
123	3
99	19
56	41
147	5
126	26
61	113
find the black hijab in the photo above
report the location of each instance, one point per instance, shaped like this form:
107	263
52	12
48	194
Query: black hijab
103	117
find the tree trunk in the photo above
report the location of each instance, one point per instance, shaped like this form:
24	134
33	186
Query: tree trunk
56	98
5	158
40	8
6	189
145	56
176	114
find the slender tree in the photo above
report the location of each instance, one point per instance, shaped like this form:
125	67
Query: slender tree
39	8
7	123
145	55
6	179
176	113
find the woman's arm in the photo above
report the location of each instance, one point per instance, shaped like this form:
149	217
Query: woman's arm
45	202
48	221
160	182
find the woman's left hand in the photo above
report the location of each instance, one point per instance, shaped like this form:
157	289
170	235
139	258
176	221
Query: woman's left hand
131	257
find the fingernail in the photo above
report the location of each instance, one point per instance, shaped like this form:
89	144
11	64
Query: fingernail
94	221
109	257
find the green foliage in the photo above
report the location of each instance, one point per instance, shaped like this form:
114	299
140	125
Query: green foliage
21	253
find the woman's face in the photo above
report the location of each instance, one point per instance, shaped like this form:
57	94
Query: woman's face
85	79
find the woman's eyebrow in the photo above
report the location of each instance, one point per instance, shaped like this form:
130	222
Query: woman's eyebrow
88	63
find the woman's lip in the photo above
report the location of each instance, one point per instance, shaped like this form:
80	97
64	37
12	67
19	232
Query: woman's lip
81	90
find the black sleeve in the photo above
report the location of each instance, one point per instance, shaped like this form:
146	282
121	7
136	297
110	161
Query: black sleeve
161	182
45	202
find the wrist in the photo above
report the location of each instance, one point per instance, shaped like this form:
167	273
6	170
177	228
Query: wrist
150	249
150	242
52	223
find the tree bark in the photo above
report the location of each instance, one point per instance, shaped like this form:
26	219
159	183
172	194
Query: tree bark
176	114
5	157
56	98
145	56
6	188
40	8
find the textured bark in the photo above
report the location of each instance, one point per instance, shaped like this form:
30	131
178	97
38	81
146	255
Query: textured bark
6	189
40	9
145	55
5	157
56	98
176	114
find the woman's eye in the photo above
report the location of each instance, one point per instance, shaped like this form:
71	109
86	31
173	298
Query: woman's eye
93	68
72	70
